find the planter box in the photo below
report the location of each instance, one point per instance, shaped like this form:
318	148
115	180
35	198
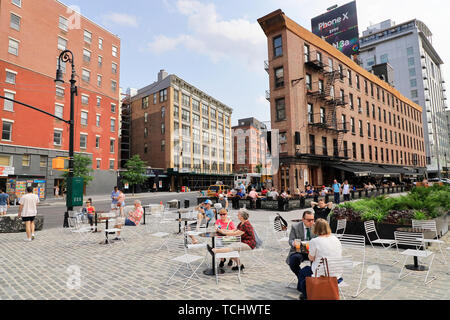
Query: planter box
293	204
269	205
13	224
244	202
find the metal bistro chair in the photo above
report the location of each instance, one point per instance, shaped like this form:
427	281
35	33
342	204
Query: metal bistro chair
339	268
372	235
431	226
279	235
414	240
340	228
357	245
222	242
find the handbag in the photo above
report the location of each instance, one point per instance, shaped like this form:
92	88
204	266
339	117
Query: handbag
322	288
258	240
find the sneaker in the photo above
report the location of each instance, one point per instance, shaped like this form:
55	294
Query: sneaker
222	263
33	237
27	240
236	268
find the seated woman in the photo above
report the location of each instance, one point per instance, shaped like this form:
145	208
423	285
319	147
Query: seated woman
133	219
90	211
225	223
325	245
245	231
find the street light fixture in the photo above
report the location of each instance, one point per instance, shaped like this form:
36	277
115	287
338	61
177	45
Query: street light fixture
67	56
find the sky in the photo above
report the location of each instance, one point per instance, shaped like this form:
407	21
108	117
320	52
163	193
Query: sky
218	45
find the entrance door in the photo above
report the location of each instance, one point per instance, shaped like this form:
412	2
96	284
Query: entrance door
313	176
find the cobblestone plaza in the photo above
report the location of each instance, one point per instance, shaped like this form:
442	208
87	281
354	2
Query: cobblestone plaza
60	265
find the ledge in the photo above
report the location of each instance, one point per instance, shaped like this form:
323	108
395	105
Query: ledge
11	223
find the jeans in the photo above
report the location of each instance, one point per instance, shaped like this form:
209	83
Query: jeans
302	275
295	261
337	198
347	197
128	222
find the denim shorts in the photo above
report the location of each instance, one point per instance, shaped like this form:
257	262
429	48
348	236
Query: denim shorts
128	222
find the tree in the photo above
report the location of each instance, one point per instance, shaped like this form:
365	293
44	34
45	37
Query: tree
135	173
82	168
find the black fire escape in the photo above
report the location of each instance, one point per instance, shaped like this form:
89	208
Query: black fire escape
125	143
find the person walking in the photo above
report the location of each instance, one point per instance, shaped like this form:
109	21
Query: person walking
4	202
28	211
346	191
337	192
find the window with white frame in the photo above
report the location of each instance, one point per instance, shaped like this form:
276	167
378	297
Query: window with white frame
60	92
114	68
63	24
59	110
17	2
100	43
10	77
86	55
97	120
13	47
111	164
7	130
87	36
113	108
15	22
99	80
83	141
97	142
113	125
86	75
99	161
62	44
9	105
57	137
61	64
100	61
84	118
115	51
84	99
112	143
113	85
99	101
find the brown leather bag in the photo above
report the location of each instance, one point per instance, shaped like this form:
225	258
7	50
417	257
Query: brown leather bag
322	288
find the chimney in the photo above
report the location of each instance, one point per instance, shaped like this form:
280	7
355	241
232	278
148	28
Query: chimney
162	75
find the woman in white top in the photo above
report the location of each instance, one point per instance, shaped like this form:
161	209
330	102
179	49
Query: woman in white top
346	191
324	246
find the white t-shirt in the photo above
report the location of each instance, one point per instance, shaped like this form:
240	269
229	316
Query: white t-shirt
29	202
324	247
346	189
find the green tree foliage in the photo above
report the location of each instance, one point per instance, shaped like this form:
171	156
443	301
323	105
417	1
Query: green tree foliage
82	168
135	173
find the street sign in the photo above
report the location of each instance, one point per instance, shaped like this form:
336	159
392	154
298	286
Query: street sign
75	188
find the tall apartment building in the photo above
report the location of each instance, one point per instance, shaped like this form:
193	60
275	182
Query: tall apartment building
250	147
181	132
32	36
334	118
408	48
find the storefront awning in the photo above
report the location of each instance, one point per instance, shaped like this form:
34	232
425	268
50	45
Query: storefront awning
359	171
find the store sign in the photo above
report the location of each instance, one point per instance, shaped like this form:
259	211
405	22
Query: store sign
6	171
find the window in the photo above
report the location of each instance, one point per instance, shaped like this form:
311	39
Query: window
368	130
100	61
26	160
359	105
113	108
10	77
9	105
312	144
321	86
163	95
84	99
361	133
99	161
99	80
349	74
414	94
352	106
308	82
63	24
352	125
7	131
410	51
62	44
86	75
375	132
358	83
280	109
362	152
145	132
57	137
114	68
60	92
112	143
176	97
413	83
322	115
370	153
115	51
279	77
163	145
163	128
186	115
97	120
411	62
384	58
306	52
412	72
145	148
324	146
113	85
113	125
15	22
83	141
86	55
145	102
43	162
84	118
195	105
100	43
344	122
341	72
99	101
87	36
277	46
354	150
310	113
330	64
367	109
111	164
13	47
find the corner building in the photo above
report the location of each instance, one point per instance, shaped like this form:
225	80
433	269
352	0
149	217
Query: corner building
335	119
32	36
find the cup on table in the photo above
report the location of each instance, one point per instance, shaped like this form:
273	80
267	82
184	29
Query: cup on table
297	244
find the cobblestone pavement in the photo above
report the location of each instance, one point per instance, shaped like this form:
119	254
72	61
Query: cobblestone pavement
61	265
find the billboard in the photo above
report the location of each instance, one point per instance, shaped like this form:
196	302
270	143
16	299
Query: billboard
339	27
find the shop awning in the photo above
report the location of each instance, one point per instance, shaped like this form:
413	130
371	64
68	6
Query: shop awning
359	171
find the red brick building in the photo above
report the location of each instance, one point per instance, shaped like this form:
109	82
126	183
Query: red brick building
32	36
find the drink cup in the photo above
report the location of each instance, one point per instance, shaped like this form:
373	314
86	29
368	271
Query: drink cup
297	244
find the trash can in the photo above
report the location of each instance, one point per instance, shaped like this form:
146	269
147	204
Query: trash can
186	203
174	204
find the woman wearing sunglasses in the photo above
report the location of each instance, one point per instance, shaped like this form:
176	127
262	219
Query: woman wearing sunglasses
225	223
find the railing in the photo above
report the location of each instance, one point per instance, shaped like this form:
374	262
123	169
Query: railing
268	95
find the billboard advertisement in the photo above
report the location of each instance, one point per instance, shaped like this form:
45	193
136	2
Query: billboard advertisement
339	27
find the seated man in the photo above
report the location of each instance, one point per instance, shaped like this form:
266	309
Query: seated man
301	231
321	210
133	219
204	216
253	195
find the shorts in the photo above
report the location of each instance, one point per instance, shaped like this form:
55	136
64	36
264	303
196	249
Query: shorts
3	208
128	222
24	219
120	221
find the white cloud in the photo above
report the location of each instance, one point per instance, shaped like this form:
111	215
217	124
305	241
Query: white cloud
219	39
121	19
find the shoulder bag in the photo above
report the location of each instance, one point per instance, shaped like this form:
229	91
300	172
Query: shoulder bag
322	288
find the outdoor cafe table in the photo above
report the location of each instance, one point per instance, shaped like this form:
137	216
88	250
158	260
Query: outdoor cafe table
180	212
97	213
415	266
212	235
107	217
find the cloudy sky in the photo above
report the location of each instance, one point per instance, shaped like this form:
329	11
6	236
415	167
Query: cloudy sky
218	46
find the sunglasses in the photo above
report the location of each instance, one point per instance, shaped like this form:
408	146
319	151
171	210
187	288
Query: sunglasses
309	220
222	214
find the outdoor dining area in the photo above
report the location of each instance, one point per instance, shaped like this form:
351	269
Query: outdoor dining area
192	251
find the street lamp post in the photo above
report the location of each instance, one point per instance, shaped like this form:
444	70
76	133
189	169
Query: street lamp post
67	56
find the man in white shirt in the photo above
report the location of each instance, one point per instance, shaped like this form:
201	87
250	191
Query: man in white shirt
346	191
28	211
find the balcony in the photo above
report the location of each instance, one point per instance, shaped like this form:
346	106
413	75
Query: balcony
268	95
317	65
266	65
337	101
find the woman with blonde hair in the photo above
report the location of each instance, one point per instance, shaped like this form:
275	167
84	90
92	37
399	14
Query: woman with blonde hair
325	245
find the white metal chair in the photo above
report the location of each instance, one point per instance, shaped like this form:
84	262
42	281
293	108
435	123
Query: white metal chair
222	242
430	225
357	245
414	240
372	235
186	264
279	235
112	227
339	268
76	227
340	228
